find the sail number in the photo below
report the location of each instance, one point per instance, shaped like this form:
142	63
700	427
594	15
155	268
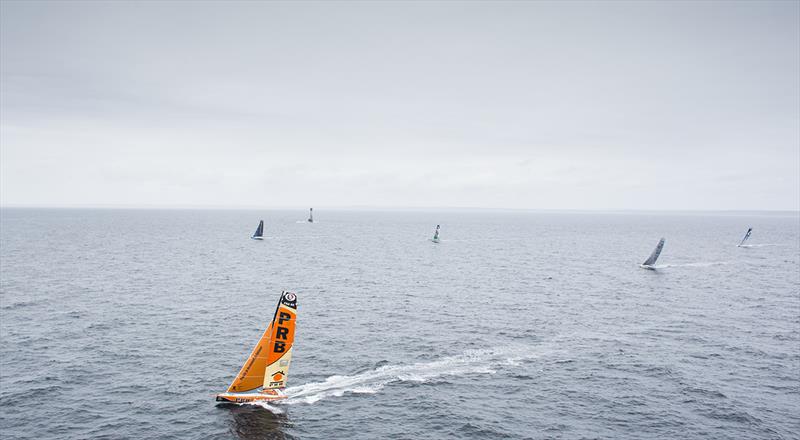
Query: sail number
281	333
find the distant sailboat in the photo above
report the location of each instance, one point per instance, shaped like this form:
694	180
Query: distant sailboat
651	261
746	236
311	215
436	235
264	373
259	234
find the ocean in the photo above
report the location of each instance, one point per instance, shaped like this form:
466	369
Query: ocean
119	324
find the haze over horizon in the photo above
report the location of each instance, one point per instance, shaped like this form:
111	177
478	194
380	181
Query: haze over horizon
511	105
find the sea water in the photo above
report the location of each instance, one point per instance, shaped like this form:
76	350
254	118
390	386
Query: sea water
124	323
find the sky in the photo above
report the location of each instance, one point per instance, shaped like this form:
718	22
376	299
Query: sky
522	105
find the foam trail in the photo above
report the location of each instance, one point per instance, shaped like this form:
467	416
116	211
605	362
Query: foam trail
702	264
759	245
482	239
372	381
699	264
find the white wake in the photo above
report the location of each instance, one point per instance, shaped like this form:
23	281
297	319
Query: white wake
372	381
699	264
758	245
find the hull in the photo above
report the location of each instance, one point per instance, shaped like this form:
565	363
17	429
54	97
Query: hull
257	238
264	396
648	267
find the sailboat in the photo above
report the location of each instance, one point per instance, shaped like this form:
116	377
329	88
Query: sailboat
263	375
311	215
746	236
259	234
651	261
435	238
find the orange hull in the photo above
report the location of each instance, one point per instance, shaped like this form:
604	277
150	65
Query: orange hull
264	396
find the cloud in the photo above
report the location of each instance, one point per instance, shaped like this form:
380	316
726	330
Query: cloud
510	104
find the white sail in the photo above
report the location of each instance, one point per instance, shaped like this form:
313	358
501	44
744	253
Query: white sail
746	236
654	256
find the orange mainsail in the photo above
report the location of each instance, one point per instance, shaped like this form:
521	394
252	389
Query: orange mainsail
268	364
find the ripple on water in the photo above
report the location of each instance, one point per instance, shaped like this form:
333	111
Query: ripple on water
550	333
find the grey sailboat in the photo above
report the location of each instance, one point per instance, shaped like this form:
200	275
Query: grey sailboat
651	260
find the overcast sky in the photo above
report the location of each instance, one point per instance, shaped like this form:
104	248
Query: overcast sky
570	105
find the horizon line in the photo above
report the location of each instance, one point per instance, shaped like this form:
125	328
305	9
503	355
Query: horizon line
374	208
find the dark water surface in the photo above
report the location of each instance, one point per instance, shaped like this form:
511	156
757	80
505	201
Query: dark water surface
124	323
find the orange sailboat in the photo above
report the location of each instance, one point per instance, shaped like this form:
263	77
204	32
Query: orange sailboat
263	375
